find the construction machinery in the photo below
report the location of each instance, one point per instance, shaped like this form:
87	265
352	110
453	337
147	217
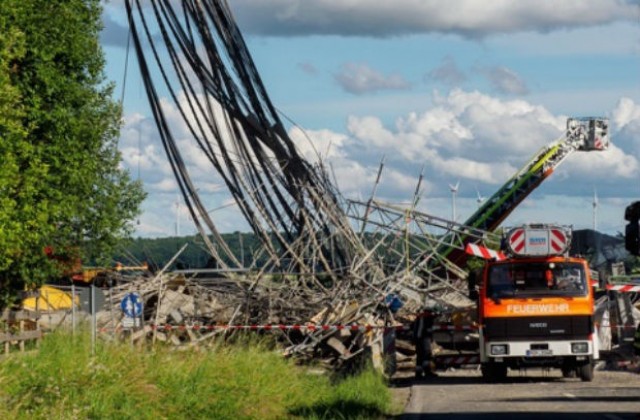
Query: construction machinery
582	134
105	276
72	269
536	307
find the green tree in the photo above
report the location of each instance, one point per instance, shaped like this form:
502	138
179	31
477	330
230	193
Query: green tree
61	183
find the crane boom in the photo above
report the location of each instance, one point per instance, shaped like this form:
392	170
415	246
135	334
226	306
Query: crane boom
582	134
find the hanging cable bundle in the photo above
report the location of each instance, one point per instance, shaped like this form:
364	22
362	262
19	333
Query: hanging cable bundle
195	55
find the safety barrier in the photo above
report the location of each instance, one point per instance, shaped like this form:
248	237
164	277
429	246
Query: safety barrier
313	327
624	288
276	327
297	327
354	327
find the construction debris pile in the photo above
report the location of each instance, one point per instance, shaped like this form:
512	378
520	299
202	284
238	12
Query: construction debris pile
334	326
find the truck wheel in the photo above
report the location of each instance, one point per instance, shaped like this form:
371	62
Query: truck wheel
494	372
586	372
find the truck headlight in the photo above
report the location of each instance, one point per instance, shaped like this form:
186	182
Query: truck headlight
499	349
579	347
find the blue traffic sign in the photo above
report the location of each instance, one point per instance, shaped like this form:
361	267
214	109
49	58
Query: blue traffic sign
131	305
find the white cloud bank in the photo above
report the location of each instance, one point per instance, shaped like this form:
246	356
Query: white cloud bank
468	136
470	18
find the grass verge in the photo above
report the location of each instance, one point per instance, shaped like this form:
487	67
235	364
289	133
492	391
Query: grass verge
245	380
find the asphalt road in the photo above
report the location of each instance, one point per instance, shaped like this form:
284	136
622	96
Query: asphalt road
534	394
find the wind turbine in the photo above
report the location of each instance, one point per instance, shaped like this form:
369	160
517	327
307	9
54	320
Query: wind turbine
480	198
595	210
454	191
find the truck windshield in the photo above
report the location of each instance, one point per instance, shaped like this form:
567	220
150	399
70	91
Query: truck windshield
539	279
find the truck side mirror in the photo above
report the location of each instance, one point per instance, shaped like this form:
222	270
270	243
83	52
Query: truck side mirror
632	229
472	285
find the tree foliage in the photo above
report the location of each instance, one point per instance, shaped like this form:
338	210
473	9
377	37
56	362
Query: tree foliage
61	183
157	252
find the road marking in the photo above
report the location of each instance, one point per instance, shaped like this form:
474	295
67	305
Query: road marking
571	396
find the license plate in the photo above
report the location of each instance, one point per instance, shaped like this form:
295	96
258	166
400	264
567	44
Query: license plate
539	353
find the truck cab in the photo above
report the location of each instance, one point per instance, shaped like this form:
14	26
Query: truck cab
536	307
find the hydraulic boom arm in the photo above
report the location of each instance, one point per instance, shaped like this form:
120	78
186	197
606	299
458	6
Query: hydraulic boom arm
582	134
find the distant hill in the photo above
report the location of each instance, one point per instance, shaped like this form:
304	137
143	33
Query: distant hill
159	251
598	248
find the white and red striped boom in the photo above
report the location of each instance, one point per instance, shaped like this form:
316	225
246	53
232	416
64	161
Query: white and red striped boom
484	253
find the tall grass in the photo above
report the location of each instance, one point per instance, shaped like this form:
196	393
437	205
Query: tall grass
246	380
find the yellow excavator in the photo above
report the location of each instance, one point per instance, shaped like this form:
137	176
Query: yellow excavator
104	277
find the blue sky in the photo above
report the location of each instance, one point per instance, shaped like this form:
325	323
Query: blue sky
467	89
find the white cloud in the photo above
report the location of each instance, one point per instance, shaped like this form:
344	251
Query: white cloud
141	151
626	111
164	185
466	134
470	18
507	81
353	178
358	78
626	125
397	184
308	68
313	144
440	126
447	72
612	164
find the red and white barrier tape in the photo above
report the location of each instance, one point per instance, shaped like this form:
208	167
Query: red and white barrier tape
274	327
312	327
301	327
624	287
